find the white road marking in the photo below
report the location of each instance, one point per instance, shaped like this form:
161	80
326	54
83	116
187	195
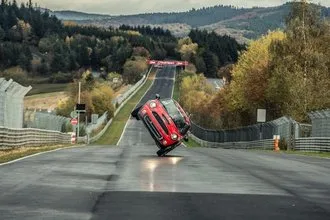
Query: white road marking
122	134
37	154
173	84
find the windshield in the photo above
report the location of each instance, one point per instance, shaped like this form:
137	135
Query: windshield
174	113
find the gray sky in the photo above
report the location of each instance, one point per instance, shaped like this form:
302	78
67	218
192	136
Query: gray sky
116	7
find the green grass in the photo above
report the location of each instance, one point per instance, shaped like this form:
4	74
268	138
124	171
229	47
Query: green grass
191	143
176	92
47	88
113	133
7	155
312	154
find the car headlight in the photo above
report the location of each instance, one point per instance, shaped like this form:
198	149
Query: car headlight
174	137
152	104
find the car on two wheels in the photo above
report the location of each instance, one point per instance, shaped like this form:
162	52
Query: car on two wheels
166	121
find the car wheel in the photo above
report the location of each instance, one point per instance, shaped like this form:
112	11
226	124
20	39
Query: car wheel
135	113
161	153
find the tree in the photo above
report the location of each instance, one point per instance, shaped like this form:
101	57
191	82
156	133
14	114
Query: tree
133	70
211	63
251	76
300	66
187	49
102	96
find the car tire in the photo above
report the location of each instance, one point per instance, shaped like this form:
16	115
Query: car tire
135	113
161	153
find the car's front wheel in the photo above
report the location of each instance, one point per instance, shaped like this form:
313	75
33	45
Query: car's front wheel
135	113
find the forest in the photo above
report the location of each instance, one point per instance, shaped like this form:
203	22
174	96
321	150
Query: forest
285	72
43	49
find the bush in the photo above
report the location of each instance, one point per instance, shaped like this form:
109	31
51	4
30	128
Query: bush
17	74
283	145
61	78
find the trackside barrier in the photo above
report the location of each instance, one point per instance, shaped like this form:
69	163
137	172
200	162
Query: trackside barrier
128	94
10	137
313	144
266	144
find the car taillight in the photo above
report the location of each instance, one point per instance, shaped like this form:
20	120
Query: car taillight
174	137
164	142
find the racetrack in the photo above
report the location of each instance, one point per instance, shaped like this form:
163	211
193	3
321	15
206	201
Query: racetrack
131	182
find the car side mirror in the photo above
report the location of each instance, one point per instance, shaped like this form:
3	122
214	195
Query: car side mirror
157	96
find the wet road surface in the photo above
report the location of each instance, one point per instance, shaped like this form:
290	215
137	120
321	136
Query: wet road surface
131	182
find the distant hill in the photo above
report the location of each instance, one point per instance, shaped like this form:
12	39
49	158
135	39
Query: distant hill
78	16
241	23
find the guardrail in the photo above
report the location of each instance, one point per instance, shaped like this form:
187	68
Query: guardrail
31	137
125	97
266	144
313	144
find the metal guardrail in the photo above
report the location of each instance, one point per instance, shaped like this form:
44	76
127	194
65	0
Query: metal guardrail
10	137
266	144
313	144
127	95
100	121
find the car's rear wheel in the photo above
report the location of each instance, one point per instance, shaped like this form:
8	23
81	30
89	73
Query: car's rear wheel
161	153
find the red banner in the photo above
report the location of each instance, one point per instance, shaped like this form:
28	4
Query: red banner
167	63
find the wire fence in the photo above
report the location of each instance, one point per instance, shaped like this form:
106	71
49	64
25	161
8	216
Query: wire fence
46	121
267	144
320	123
12	103
282	126
294	135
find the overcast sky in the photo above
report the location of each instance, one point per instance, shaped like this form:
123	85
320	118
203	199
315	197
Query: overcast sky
117	7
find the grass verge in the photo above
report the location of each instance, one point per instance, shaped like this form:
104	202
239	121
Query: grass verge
48	88
176	92
10	154
311	154
191	143
113	133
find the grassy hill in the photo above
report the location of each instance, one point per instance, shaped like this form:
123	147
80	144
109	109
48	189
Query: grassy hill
242	23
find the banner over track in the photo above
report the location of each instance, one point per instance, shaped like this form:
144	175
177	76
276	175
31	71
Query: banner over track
167	63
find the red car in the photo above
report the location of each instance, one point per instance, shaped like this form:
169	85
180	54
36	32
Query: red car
166	121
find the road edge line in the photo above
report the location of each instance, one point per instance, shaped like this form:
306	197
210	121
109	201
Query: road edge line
37	154
122	134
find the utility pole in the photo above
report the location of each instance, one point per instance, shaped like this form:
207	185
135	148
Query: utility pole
79	90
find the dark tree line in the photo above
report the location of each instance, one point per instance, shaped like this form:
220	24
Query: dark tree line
42	45
215	51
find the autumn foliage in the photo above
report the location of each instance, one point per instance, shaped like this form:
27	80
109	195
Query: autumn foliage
285	72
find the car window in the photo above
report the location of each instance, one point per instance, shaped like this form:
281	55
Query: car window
174	113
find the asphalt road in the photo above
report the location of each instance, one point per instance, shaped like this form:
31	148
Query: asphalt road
131	182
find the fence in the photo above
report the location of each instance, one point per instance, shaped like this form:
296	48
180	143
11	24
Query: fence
121	98
46	121
121	102
266	144
31	137
313	144
281	126
11	103
320	123
100	121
